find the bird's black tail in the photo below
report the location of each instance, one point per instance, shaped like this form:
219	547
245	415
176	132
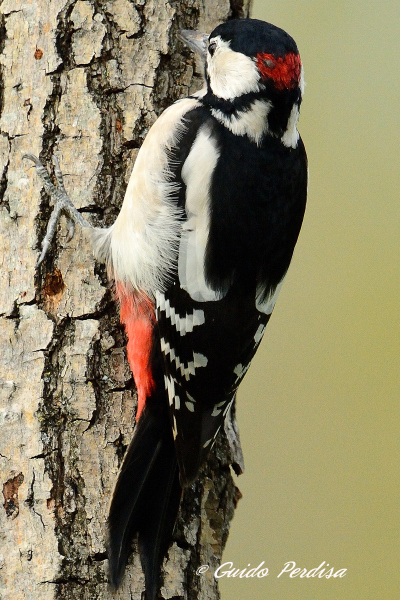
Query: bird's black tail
145	500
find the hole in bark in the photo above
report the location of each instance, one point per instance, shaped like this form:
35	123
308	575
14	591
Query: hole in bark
53	290
54	284
10	493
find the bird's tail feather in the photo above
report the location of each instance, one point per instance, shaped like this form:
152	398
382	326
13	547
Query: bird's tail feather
145	500
164	494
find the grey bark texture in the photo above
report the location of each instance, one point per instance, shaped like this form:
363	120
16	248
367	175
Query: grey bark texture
85	80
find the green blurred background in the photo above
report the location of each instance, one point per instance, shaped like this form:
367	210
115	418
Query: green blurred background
318	410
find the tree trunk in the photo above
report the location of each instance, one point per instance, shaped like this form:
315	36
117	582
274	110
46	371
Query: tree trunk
84	80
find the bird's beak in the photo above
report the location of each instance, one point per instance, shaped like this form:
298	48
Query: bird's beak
196	41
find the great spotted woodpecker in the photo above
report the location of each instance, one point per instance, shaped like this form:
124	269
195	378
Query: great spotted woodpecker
198	254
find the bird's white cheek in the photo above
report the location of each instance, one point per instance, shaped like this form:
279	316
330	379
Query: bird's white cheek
232	74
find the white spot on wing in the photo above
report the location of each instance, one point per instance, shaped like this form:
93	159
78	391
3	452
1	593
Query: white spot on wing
190	406
199	360
183	324
167	308
160	300
198	317
170	387
189	323
190	397
267	306
218	408
167	350
240	370
259	333
188	370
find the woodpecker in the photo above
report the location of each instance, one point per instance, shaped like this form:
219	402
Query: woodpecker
198	254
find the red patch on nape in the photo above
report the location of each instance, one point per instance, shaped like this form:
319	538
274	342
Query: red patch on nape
137	314
285	72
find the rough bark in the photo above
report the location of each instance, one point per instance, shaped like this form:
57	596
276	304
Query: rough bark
85	80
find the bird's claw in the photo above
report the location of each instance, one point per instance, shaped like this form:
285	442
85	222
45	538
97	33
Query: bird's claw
71	230
62	203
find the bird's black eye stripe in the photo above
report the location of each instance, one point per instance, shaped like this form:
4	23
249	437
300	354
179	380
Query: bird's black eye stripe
211	47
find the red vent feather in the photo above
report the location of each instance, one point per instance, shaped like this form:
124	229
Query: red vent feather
137	314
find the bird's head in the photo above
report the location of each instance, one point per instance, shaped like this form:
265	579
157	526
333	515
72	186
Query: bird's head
251	56
248	62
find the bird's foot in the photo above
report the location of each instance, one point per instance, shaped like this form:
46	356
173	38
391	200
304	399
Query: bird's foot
62	203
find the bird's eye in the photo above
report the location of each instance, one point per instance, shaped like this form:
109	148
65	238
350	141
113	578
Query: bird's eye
212	47
269	63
